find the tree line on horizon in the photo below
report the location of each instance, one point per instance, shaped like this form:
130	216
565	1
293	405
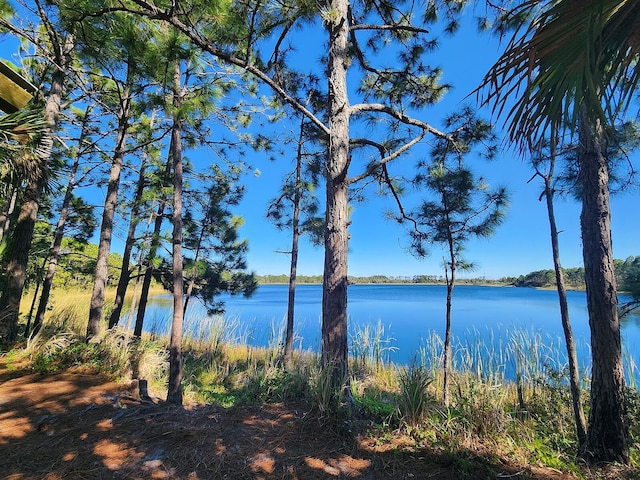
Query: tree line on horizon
627	276
129	91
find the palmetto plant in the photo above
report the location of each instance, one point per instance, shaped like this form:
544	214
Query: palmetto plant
572	54
20	154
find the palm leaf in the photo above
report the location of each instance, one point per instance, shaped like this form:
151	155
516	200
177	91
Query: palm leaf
573	55
20	134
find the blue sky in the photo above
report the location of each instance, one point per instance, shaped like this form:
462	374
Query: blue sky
378	246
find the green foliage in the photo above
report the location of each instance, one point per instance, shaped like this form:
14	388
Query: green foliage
550	406
414	403
214	261
380	409
458	206
63	350
77	264
284	279
628	276
19	147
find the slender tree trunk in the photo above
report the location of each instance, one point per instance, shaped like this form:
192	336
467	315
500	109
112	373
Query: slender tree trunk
447	332
334	288
27	328
58	235
295	240
192	277
606	433
574	373
148	274
125	273
174	394
106	230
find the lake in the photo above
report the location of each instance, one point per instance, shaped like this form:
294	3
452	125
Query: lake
410	315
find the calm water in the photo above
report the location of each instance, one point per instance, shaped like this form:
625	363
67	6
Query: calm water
410	314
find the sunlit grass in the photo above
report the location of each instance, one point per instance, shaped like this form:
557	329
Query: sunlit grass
509	389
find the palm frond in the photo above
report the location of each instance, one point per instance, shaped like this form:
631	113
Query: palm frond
574	55
20	135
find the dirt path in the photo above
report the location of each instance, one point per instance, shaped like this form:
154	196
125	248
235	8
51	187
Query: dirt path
78	426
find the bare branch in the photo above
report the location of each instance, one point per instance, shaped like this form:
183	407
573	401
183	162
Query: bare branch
404	28
407	120
385	159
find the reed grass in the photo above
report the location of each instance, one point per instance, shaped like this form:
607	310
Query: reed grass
371	347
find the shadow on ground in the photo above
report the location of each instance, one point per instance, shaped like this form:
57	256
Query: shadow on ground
74	426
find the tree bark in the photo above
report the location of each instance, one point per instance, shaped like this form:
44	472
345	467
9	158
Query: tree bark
196	256
572	356
174	394
8	209
334	291
58	235
447	331
295	240
19	256
125	273
23	233
148	274
606	433
106	229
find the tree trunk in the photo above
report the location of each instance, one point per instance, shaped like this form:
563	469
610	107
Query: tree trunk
606	433
27	328
572	356
18	258
106	229
174	394
125	274
23	233
295	240
192	278
447	332
148	274
58	235
334	288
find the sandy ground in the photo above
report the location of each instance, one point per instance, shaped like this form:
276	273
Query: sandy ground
79	426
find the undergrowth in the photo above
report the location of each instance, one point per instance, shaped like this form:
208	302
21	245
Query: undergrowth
528	420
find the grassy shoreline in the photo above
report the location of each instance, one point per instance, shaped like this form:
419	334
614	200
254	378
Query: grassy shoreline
528	420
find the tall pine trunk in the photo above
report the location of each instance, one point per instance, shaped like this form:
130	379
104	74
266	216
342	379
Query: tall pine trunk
125	273
58	234
606	432
193	273
574	374
148	274
18	258
447	362
334	287
174	394
295	240
106	229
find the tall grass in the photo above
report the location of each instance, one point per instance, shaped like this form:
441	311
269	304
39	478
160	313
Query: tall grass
508	387
371	347
414	403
